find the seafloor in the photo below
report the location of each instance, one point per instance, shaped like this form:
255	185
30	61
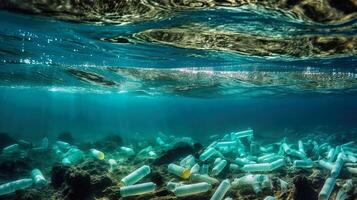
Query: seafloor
92	178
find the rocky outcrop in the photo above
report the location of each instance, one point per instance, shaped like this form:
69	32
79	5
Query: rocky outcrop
116	11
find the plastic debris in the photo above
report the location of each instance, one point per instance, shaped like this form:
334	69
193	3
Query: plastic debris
221	190
191	189
138	189
136	175
11	187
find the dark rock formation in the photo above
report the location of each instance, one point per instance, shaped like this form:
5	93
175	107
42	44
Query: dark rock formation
5	140
116	11
304	189
205	38
108	143
10	167
91	77
58	175
78	184
173	154
65	137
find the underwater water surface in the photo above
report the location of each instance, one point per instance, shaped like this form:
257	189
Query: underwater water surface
199	74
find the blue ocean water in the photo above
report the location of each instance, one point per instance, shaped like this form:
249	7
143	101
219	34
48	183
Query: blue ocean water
38	97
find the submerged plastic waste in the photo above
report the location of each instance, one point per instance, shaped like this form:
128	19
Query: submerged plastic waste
136	175
191	189
138	189
11	187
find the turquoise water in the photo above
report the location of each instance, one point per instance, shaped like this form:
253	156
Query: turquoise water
39	97
84	104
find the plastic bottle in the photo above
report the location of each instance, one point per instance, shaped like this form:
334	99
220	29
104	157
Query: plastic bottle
352	170
191	189
171	186
326	165
136	175
219	167
179	171
188	161
277	164
261	167
138	189
269	198
128	151
204	169
38	178
233	167
336	169
216	161
72	157
342	192
243	161
11	187
195	169
207	154
245	133
62	145
10	149
112	164
327	188
303	164
221	190
301	147
203	178
97	154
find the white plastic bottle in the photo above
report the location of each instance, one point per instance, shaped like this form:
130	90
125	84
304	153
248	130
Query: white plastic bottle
221	190
136	175
138	189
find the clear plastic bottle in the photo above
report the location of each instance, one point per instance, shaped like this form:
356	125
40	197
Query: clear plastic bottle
191	189
325	164
301	147
11	187
203	178
179	171
62	145
128	151
112	164
221	190
204	169
97	154
261	167
277	164
11	149
327	188
138	189
38	178
195	169
171	186
136	175
303	164
336	169
219	167
245	133
207	154
243	161
269	198
72	157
